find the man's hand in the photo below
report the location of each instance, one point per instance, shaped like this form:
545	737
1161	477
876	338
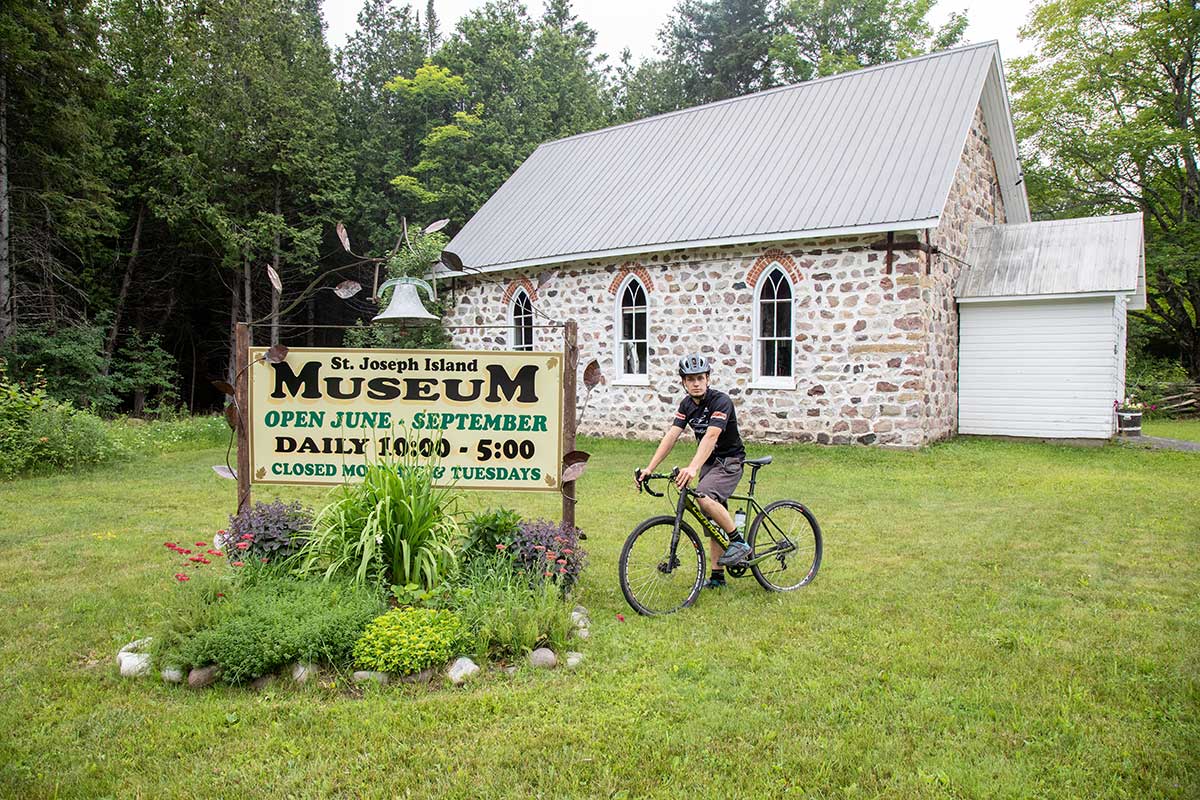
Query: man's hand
637	480
685	476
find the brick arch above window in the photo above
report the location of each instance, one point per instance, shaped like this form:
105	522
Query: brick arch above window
627	269
520	283
764	262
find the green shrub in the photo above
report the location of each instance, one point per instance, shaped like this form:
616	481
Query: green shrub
486	531
256	629
40	435
507	612
394	528
70	359
407	640
268	532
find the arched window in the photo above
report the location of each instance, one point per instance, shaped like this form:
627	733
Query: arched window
520	316
633	349
773	328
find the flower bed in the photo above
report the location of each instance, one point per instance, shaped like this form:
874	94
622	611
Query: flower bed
283	590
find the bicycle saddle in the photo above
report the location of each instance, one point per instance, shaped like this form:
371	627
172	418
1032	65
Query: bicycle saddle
758	462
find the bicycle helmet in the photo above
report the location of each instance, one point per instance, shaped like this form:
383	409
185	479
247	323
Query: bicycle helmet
694	364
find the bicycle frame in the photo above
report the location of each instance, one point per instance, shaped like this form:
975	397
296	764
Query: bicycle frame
687	502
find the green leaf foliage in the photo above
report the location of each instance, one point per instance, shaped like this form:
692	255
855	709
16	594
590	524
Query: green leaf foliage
407	640
256	629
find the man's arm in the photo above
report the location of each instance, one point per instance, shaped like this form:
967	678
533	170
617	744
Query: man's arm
703	451
664	447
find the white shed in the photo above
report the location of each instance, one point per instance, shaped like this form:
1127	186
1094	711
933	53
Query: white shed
1042	319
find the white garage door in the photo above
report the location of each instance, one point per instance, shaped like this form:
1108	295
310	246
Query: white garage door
1044	368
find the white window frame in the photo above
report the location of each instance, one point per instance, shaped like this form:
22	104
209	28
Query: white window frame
759	380
512	321
624	378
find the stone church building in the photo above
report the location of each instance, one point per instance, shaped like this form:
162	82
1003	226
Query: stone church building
808	239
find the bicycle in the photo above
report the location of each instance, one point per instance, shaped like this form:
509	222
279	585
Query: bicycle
784	539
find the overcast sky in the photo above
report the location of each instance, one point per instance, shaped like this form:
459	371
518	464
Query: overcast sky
635	23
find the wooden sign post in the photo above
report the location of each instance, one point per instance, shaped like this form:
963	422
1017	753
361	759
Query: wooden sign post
242	399
570	370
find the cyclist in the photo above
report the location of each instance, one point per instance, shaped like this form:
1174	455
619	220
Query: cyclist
718	459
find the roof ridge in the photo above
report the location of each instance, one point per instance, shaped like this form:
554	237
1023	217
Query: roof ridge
1064	221
776	90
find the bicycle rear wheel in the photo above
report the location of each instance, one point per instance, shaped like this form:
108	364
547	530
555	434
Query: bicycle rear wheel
790	533
651	581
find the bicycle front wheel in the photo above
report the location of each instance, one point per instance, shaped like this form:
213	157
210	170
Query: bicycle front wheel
789	535
653	581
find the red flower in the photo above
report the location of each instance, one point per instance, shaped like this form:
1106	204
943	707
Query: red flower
179	576
501	546
170	545
620	617
239	563
539	547
265	560
568	550
221	533
220	594
201	544
247	536
562	569
203	560
216	553
197	558
548	573
184	551
562	561
242	545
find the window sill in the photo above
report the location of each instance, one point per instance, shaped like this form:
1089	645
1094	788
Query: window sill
631	380
788	384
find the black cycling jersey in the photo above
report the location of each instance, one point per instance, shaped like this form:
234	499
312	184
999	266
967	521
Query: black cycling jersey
714	410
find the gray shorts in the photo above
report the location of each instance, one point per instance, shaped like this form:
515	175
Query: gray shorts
719	479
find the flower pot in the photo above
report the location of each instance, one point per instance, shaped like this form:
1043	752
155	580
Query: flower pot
1129	423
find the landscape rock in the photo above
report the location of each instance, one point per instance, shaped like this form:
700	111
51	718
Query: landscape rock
543	657
363	676
462	670
261	682
172	675
583	633
579	610
580	620
303	672
574	659
424	676
136	646
201	677
134	665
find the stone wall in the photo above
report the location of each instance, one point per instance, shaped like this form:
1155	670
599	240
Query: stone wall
875	351
974	199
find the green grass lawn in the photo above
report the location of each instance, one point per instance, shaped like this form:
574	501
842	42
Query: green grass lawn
991	619
1188	429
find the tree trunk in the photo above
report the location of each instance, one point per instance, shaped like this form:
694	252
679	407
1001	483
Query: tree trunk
246	293
6	290
275	295
234	301
110	346
312	317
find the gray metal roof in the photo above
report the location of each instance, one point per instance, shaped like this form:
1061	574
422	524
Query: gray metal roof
871	150
1094	255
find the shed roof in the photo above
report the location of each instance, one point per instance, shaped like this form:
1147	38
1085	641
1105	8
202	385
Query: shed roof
1093	255
860	152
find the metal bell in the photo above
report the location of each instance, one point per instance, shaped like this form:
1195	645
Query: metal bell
405	305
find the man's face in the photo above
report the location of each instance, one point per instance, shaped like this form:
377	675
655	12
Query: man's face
696	385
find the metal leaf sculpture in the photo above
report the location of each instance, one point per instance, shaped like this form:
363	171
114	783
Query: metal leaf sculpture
343	237
347	289
433	227
574	463
592	377
225	472
231	416
276	353
225	388
452	261
274	276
